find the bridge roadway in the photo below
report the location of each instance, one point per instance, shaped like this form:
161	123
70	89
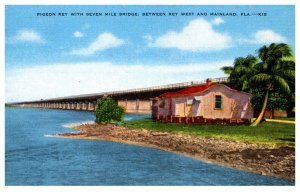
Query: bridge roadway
132	100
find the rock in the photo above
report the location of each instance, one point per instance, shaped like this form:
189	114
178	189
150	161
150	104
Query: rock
227	159
263	173
160	134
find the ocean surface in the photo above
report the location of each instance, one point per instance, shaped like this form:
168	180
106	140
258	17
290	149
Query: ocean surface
33	159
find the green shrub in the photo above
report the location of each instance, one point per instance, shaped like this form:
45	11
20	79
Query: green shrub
108	111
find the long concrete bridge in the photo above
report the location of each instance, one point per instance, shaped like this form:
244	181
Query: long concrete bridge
132	100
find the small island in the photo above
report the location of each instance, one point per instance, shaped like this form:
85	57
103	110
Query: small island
262	153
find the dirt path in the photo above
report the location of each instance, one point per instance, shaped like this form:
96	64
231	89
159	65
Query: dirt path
261	159
280	121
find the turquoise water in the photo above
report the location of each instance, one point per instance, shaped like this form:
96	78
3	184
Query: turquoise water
33	159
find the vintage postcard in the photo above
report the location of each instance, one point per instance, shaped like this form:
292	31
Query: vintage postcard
149	95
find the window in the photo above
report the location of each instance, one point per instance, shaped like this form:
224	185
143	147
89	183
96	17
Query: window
218	102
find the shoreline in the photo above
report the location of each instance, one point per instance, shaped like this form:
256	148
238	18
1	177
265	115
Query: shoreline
255	158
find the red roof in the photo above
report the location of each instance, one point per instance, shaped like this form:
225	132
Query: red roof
188	91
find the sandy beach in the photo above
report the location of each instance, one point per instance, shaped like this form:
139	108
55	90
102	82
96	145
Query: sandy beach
255	158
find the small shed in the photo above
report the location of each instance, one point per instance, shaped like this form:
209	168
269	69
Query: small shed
209	101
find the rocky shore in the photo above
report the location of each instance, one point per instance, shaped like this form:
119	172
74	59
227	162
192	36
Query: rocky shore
256	158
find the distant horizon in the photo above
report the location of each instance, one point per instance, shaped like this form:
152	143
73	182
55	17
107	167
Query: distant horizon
63	55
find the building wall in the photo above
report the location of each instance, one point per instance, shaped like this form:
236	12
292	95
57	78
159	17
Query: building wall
136	106
235	104
163	107
277	113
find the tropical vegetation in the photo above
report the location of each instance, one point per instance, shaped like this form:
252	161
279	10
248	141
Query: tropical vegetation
108	111
270	78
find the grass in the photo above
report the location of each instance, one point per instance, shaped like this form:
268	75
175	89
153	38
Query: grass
285	118
271	133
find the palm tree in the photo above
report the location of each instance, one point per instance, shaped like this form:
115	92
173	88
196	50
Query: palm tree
275	71
243	69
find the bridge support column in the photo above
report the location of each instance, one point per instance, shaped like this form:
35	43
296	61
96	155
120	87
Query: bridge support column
64	106
74	106
94	105
68	106
90	106
84	106
137	105
78	106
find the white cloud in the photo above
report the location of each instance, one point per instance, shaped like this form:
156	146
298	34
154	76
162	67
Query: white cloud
266	36
103	41
197	36
27	35
217	21
67	79
78	34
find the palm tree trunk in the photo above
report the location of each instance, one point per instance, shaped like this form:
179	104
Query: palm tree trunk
262	112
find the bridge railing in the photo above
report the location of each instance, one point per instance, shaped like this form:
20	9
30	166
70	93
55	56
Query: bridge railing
175	85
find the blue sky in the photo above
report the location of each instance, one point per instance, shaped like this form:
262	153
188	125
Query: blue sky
53	56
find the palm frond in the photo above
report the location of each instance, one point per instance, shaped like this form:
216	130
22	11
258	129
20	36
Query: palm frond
282	50
227	69
251	61
263	53
287	64
281	83
289	75
260	79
